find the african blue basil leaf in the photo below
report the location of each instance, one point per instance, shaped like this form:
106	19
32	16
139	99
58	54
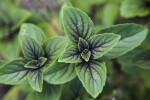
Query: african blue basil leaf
102	43
42	61
132	35
142	60
86	55
14	72
54	47
31	64
35	78
33	31
92	74
66	4
77	24
50	92
31	49
59	73
82	45
71	55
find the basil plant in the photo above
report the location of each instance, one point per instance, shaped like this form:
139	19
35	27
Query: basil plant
38	54
80	52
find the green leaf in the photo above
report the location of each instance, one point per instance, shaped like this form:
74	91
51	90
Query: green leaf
77	24
33	31
31	49
32	64
86	56
54	47
132	35
35	78
92	74
50	92
13	72
102	43
142	60
42	61
59	73
132	8
82	45
71	55
66	4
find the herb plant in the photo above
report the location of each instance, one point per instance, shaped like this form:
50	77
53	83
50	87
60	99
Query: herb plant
80	52
38	53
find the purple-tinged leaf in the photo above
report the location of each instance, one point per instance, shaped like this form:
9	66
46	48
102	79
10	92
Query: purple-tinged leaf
86	56
102	43
54	46
92	75
82	45
59	73
71	55
31	49
32	64
77	24
42	61
35	78
14	72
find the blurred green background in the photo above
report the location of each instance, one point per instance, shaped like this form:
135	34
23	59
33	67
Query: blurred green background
125	79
